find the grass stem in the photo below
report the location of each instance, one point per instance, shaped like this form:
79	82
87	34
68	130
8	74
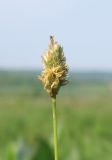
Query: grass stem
55	129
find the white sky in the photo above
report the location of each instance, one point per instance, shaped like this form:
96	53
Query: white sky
83	27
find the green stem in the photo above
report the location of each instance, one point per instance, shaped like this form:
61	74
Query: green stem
55	129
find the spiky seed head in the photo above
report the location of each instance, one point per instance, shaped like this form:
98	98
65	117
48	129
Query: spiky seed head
55	71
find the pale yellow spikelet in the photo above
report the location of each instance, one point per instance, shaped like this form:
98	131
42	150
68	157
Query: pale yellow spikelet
54	74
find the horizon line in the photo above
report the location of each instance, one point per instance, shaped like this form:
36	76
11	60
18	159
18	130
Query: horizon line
71	69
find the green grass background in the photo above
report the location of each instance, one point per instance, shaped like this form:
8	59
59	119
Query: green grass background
84	109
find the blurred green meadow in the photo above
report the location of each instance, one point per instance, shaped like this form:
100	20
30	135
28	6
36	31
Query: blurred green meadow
84	109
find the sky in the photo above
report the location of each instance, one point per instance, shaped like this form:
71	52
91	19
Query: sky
82	27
